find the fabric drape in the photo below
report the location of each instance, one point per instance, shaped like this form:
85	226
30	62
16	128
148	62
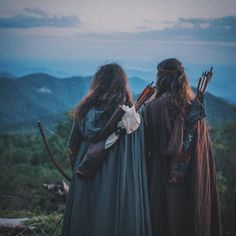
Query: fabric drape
190	207
116	201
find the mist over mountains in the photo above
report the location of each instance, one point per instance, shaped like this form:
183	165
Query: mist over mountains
223	82
39	96
43	97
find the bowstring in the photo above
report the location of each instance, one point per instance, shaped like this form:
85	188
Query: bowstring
64	141
59	137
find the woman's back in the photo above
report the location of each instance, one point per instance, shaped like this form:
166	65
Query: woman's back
182	184
115	202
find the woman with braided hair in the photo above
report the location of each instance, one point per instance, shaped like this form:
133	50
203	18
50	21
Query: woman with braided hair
182	181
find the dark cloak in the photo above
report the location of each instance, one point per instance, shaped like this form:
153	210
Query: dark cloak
115	202
191	207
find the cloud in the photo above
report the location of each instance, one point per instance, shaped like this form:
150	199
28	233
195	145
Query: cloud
35	17
36	11
44	90
195	29
195	21
218	29
228	22
187	30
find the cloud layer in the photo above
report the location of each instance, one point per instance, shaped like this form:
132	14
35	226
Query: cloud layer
35	17
192	29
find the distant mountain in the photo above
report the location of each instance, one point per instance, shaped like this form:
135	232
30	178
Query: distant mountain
38	96
7	75
41	96
219	111
137	85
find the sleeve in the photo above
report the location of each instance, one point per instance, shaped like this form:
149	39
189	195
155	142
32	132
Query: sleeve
75	137
143	114
144	119
74	142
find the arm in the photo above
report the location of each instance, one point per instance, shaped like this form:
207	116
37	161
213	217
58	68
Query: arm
74	142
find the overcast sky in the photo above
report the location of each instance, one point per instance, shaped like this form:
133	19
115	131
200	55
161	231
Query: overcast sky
202	31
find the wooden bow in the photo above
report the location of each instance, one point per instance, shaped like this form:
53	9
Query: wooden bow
51	156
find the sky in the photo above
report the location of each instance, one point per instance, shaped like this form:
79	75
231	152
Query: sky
75	36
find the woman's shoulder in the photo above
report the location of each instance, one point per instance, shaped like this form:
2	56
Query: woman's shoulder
158	101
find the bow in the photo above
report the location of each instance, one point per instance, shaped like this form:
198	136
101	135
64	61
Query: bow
51	156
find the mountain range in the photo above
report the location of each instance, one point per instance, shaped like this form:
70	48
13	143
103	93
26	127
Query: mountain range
40	96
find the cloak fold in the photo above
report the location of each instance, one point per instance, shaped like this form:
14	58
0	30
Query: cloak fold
190	207
115	202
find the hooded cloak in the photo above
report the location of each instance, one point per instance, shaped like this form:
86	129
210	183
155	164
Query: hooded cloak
189	207
115	202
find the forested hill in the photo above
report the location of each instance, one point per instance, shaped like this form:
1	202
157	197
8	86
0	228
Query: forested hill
40	96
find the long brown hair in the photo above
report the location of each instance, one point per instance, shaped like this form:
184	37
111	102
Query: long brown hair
108	89
171	79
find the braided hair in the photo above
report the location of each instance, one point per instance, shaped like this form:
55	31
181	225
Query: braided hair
171	79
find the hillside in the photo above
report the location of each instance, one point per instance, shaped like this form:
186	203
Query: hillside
41	96
38	96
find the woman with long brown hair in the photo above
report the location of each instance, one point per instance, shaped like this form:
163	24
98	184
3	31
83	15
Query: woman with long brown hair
182	182
115	201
